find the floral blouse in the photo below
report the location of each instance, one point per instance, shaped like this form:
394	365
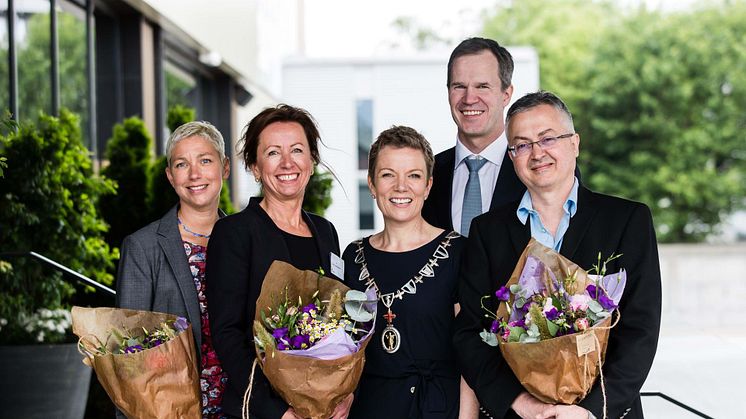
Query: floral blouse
212	378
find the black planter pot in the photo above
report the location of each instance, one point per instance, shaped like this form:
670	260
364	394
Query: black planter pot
43	381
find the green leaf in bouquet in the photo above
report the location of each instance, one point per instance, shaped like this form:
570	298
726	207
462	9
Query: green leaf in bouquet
520	302
515	288
516	332
595	307
488	338
531	335
355	306
553	328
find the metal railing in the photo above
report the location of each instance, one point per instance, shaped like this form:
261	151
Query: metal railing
67	273
674	401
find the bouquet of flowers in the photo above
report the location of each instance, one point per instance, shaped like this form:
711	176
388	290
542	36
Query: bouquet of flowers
145	361
306	322
552	316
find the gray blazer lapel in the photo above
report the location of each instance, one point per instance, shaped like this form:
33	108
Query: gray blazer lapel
169	240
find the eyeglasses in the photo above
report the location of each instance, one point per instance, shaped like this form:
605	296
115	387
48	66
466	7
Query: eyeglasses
544	143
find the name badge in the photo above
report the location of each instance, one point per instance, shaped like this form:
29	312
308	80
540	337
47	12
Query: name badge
338	266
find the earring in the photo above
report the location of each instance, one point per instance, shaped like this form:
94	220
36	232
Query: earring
373	196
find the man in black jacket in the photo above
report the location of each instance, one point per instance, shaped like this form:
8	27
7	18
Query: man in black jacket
562	214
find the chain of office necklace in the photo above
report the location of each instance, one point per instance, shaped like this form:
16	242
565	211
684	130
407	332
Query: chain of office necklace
390	337
207	236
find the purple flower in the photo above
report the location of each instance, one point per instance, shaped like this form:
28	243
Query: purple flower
280	332
518	323
308	308
495	326
300	341
599	295
552	313
133	349
503	294
181	324
606	302
282	346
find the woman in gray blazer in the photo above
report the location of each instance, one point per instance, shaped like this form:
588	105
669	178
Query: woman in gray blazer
162	266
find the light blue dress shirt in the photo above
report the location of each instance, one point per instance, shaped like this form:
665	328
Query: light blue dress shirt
527	212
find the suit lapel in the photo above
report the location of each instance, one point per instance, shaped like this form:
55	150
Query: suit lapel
579	224
519	233
508	187
444	177
170	242
320	244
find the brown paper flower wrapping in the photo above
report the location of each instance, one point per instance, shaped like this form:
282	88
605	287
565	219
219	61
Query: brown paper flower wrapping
313	387
160	382
551	370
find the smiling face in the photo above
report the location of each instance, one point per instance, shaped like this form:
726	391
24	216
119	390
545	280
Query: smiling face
543	170
477	99
197	173
400	184
283	161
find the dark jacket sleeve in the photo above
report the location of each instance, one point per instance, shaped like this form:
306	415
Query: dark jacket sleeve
634	340
229	276
482	366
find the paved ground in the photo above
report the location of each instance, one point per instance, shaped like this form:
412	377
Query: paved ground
705	370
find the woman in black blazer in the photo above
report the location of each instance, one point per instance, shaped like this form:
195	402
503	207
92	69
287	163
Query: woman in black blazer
280	147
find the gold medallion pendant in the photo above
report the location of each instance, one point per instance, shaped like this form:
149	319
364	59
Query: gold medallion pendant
390	338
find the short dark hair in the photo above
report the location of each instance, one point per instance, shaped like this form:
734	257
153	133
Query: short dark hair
400	136
475	45
249	142
532	100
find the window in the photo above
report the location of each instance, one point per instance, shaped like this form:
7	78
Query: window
71	29
365	202
32	40
4	70
181	87
364	131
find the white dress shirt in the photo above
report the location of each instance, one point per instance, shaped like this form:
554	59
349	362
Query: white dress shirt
494	153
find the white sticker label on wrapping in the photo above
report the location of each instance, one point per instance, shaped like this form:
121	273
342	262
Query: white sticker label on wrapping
338	266
586	343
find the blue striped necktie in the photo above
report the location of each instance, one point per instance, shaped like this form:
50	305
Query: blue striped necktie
472	195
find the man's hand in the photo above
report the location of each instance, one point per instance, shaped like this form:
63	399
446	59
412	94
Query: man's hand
343	408
563	411
290	414
529	407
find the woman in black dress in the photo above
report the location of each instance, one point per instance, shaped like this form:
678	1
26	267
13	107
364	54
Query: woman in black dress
280	147
410	369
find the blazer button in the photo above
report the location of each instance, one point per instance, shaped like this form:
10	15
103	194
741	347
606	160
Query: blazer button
411	390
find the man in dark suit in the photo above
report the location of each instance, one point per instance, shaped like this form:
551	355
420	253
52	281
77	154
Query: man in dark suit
479	88
561	214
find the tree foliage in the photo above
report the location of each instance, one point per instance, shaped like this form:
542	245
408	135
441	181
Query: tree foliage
657	98
49	196
318	195
128	153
